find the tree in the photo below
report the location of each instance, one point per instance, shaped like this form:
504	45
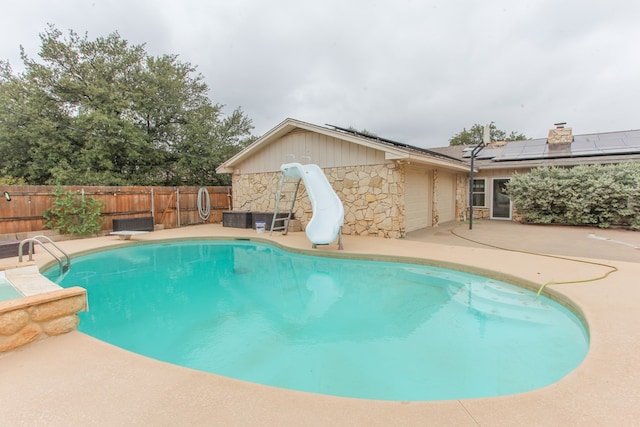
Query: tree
198	161
474	135
362	132
104	112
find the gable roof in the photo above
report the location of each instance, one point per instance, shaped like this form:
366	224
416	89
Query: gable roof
392	150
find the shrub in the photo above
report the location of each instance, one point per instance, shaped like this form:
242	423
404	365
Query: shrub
601	195
74	214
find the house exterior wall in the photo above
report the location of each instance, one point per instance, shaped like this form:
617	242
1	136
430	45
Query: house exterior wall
372	196
484	212
370	186
304	147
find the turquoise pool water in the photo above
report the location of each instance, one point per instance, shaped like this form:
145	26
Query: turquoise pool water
376	330
7	291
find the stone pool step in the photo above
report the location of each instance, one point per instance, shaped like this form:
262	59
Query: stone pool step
29	281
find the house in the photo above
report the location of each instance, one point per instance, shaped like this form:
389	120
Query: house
497	162
387	188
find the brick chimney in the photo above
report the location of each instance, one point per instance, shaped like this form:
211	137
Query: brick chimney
560	135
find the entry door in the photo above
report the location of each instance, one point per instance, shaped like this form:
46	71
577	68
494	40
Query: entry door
501	205
446	197
417	200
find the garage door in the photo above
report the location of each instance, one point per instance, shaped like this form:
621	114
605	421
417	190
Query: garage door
417	201
446	197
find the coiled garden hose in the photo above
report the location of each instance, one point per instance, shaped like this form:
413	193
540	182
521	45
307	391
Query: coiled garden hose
204	204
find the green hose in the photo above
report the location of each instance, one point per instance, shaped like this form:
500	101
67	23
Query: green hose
612	268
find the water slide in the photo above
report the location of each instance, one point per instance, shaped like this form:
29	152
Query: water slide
328	212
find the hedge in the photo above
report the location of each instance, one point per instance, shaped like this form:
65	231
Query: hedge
601	195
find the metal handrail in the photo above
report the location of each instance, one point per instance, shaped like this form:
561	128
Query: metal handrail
36	239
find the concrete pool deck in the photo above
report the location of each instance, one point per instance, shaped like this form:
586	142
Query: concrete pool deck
75	379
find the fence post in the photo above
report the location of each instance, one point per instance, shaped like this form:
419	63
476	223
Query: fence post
178	205
153	206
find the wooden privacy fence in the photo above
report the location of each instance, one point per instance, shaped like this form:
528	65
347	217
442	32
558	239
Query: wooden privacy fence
170	207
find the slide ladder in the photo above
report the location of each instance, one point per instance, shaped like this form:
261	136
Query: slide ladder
328	212
282	197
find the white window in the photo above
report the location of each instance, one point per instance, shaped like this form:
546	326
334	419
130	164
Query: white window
479	192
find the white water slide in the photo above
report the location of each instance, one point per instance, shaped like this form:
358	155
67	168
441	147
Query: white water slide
328	212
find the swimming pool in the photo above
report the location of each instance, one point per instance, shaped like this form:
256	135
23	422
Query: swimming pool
7	291
344	327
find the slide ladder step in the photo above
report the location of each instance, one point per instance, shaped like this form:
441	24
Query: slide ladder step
280	199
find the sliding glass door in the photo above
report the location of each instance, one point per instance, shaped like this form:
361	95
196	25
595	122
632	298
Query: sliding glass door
501	205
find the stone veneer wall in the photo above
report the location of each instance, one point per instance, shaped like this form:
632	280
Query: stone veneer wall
435	215
372	195
462	196
27	319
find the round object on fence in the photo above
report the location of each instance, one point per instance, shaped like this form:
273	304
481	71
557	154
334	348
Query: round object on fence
7	196
204	204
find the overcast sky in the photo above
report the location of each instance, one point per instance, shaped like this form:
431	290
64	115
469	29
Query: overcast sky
415	71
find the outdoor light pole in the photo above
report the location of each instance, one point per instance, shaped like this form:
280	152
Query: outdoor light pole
474	152
486	139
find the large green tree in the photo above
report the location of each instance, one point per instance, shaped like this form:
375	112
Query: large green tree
104	112
474	135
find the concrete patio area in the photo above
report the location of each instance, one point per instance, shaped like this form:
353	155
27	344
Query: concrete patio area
75	379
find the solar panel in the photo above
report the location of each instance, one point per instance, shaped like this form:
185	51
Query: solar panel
520	150
582	146
392	142
488	153
484	153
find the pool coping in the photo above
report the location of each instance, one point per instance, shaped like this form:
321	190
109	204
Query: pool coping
602	390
